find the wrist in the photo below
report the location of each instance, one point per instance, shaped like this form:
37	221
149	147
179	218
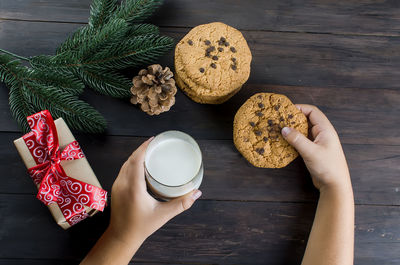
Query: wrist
340	190
127	240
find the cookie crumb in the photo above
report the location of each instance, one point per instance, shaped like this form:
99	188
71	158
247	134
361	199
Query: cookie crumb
201	70
233	49
190	42
213	65
207	42
259	96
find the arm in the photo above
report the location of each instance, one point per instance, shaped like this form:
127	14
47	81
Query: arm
331	240
135	215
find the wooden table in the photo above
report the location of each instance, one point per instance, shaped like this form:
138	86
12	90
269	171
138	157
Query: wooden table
343	56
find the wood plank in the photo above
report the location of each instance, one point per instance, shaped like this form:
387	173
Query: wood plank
331	65
228	176
348	17
299	59
211	232
67	262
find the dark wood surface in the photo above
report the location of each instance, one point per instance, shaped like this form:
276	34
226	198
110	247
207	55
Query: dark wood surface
343	56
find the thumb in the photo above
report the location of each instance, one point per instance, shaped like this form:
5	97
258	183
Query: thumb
300	142
178	205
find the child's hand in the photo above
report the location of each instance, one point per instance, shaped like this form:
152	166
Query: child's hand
323	155
135	214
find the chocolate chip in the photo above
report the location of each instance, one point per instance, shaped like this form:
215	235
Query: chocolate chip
270	122
207	42
260	105
220	49
259	114
292	122
233	60
260	151
258	133
190	42
265	139
201	70
215	58
234	67
213	65
208	54
252	124
226	44
281	119
222	39
233	49
277	107
210	49
290	116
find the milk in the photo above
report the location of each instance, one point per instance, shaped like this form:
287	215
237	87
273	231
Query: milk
173	164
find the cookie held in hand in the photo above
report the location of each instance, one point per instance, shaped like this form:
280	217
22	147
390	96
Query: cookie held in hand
257	129
212	62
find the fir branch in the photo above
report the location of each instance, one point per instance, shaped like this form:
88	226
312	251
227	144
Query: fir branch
76	39
100	12
106	82
142	29
135	11
32	91
130	53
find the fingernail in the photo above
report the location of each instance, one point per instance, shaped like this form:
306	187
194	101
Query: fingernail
196	195
298	107
286	131
151	138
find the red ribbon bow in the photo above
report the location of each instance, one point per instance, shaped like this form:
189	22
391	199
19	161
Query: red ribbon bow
70	194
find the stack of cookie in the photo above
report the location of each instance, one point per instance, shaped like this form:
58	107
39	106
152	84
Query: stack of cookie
212	62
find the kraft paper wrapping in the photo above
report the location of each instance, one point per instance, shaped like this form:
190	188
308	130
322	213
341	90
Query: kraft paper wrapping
78	169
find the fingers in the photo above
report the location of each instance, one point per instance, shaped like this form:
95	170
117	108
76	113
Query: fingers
314	115
300	142
137	157
135	163
181	204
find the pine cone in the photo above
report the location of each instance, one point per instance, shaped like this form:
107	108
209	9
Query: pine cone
154	89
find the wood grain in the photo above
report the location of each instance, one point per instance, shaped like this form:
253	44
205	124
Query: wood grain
331	65
210	232
348	17
228	176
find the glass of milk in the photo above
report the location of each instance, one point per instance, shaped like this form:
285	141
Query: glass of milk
173	165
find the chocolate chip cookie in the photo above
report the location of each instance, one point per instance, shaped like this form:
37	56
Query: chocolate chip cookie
212	62
257	129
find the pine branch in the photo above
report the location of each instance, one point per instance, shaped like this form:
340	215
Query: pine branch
75	40
100	12
130	53
32	91
106	82
135	11
142	29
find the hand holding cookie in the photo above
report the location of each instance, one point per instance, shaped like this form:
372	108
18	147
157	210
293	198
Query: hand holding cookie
323	154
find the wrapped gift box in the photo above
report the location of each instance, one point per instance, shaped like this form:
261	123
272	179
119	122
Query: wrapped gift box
78	169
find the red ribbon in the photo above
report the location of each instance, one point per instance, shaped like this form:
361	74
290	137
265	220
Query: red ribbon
70	194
